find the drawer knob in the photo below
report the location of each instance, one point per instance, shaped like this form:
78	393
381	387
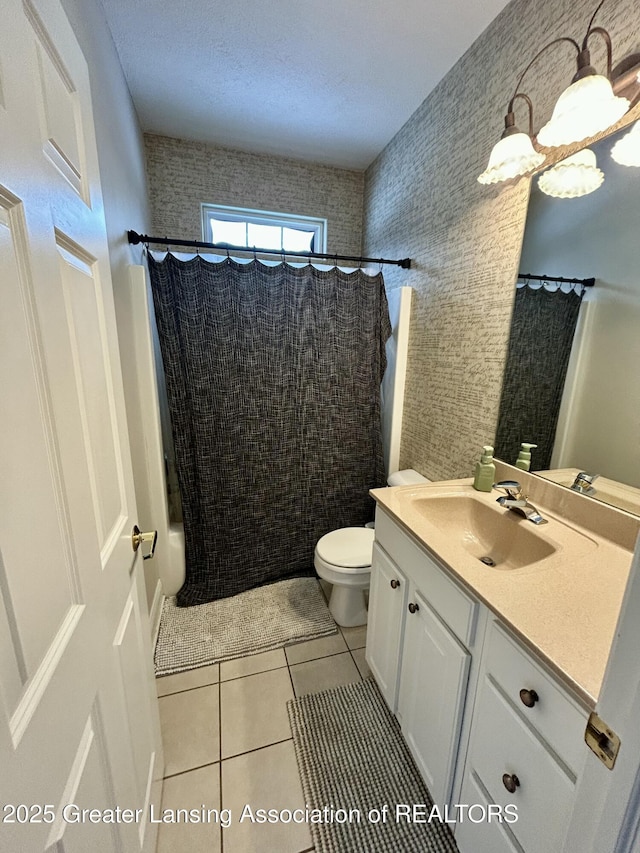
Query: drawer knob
413	608
528	697
510	782
395	584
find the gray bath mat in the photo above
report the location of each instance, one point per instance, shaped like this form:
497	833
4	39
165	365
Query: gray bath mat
351	756
245	624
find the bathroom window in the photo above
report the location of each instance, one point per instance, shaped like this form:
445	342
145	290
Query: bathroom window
238	226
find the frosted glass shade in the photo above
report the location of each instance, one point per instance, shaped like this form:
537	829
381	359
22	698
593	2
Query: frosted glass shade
585	108
626	151
576	176
512	156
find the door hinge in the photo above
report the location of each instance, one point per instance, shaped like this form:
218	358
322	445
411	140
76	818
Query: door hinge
602	740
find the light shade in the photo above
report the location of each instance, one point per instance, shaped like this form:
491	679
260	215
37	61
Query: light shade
513	155
585	108
626	151
571	178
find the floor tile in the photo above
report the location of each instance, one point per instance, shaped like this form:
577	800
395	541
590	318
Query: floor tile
251	664
187	680
363	668
190	729
323	674
355	638
254	712
311	649
192	790
265	779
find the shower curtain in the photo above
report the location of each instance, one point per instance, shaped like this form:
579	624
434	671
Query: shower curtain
273	376
542	330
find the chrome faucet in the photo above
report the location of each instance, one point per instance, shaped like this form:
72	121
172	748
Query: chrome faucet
583	483
514	499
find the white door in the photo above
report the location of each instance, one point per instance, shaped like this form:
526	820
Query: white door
606	816
78	716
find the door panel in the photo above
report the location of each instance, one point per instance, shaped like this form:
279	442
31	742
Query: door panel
78	713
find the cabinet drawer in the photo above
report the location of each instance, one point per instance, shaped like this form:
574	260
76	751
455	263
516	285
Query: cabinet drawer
502	743
558	718
455	607
488	831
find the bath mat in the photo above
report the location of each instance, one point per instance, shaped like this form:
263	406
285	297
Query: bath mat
352	757
254	621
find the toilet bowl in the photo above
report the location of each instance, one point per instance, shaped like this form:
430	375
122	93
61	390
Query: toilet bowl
343	558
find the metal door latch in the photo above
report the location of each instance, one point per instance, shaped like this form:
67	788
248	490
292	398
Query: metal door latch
137	538
602	740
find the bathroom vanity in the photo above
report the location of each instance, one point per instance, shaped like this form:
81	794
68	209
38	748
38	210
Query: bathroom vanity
493	670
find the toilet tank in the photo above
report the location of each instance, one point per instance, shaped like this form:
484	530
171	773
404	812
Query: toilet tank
408	477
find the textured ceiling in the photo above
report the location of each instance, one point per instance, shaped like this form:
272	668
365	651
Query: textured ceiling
329	81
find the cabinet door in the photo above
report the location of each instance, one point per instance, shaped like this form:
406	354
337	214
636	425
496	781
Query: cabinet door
387	597
435	669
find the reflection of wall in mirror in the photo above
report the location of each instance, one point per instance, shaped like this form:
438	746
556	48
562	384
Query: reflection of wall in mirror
596	235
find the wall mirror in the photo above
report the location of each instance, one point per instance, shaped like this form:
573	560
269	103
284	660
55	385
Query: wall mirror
598	420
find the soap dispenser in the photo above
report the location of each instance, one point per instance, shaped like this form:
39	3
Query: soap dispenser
485	474
524	457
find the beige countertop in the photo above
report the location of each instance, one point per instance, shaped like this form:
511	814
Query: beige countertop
564	607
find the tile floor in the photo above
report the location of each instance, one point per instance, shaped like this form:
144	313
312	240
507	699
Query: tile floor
227	742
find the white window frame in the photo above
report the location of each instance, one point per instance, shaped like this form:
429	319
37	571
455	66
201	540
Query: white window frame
264	217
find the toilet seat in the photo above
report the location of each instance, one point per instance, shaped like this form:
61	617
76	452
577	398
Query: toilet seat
346	548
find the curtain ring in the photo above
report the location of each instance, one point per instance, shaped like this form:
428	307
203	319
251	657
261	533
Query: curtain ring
335	262
228	256
255	257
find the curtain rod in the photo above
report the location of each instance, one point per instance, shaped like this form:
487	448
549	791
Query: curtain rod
585	282
135	238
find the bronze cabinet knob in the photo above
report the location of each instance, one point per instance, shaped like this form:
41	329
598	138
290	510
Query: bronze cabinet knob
528	697
510	782
413	608
395	584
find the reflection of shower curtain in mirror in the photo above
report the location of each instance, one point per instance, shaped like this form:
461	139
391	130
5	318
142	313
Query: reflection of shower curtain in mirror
542	330
273	376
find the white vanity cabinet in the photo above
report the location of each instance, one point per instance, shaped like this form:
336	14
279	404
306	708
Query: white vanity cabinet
487	723
421	626
526	749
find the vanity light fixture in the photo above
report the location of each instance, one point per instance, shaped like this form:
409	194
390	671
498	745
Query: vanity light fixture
514	154
589	105
626	151
573	177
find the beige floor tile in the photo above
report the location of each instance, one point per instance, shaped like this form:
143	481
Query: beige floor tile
254	712
193	790
190	729
251	664
323	674
355	638
363	668
265	779
312	649
199	677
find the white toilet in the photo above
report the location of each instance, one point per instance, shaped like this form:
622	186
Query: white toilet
343	558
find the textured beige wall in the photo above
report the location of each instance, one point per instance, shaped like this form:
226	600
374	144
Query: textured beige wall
422	200
182	175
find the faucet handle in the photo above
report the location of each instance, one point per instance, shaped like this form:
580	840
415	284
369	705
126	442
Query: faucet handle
512	493
509	487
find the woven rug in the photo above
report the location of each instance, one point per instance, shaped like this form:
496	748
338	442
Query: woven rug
351	756
254	621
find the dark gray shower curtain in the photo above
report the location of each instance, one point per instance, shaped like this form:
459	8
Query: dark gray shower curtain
273	377
542	330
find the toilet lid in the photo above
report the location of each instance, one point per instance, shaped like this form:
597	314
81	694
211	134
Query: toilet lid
350	547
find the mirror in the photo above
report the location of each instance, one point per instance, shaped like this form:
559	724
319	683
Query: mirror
596	235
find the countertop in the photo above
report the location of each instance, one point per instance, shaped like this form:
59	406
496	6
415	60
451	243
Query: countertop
565	608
